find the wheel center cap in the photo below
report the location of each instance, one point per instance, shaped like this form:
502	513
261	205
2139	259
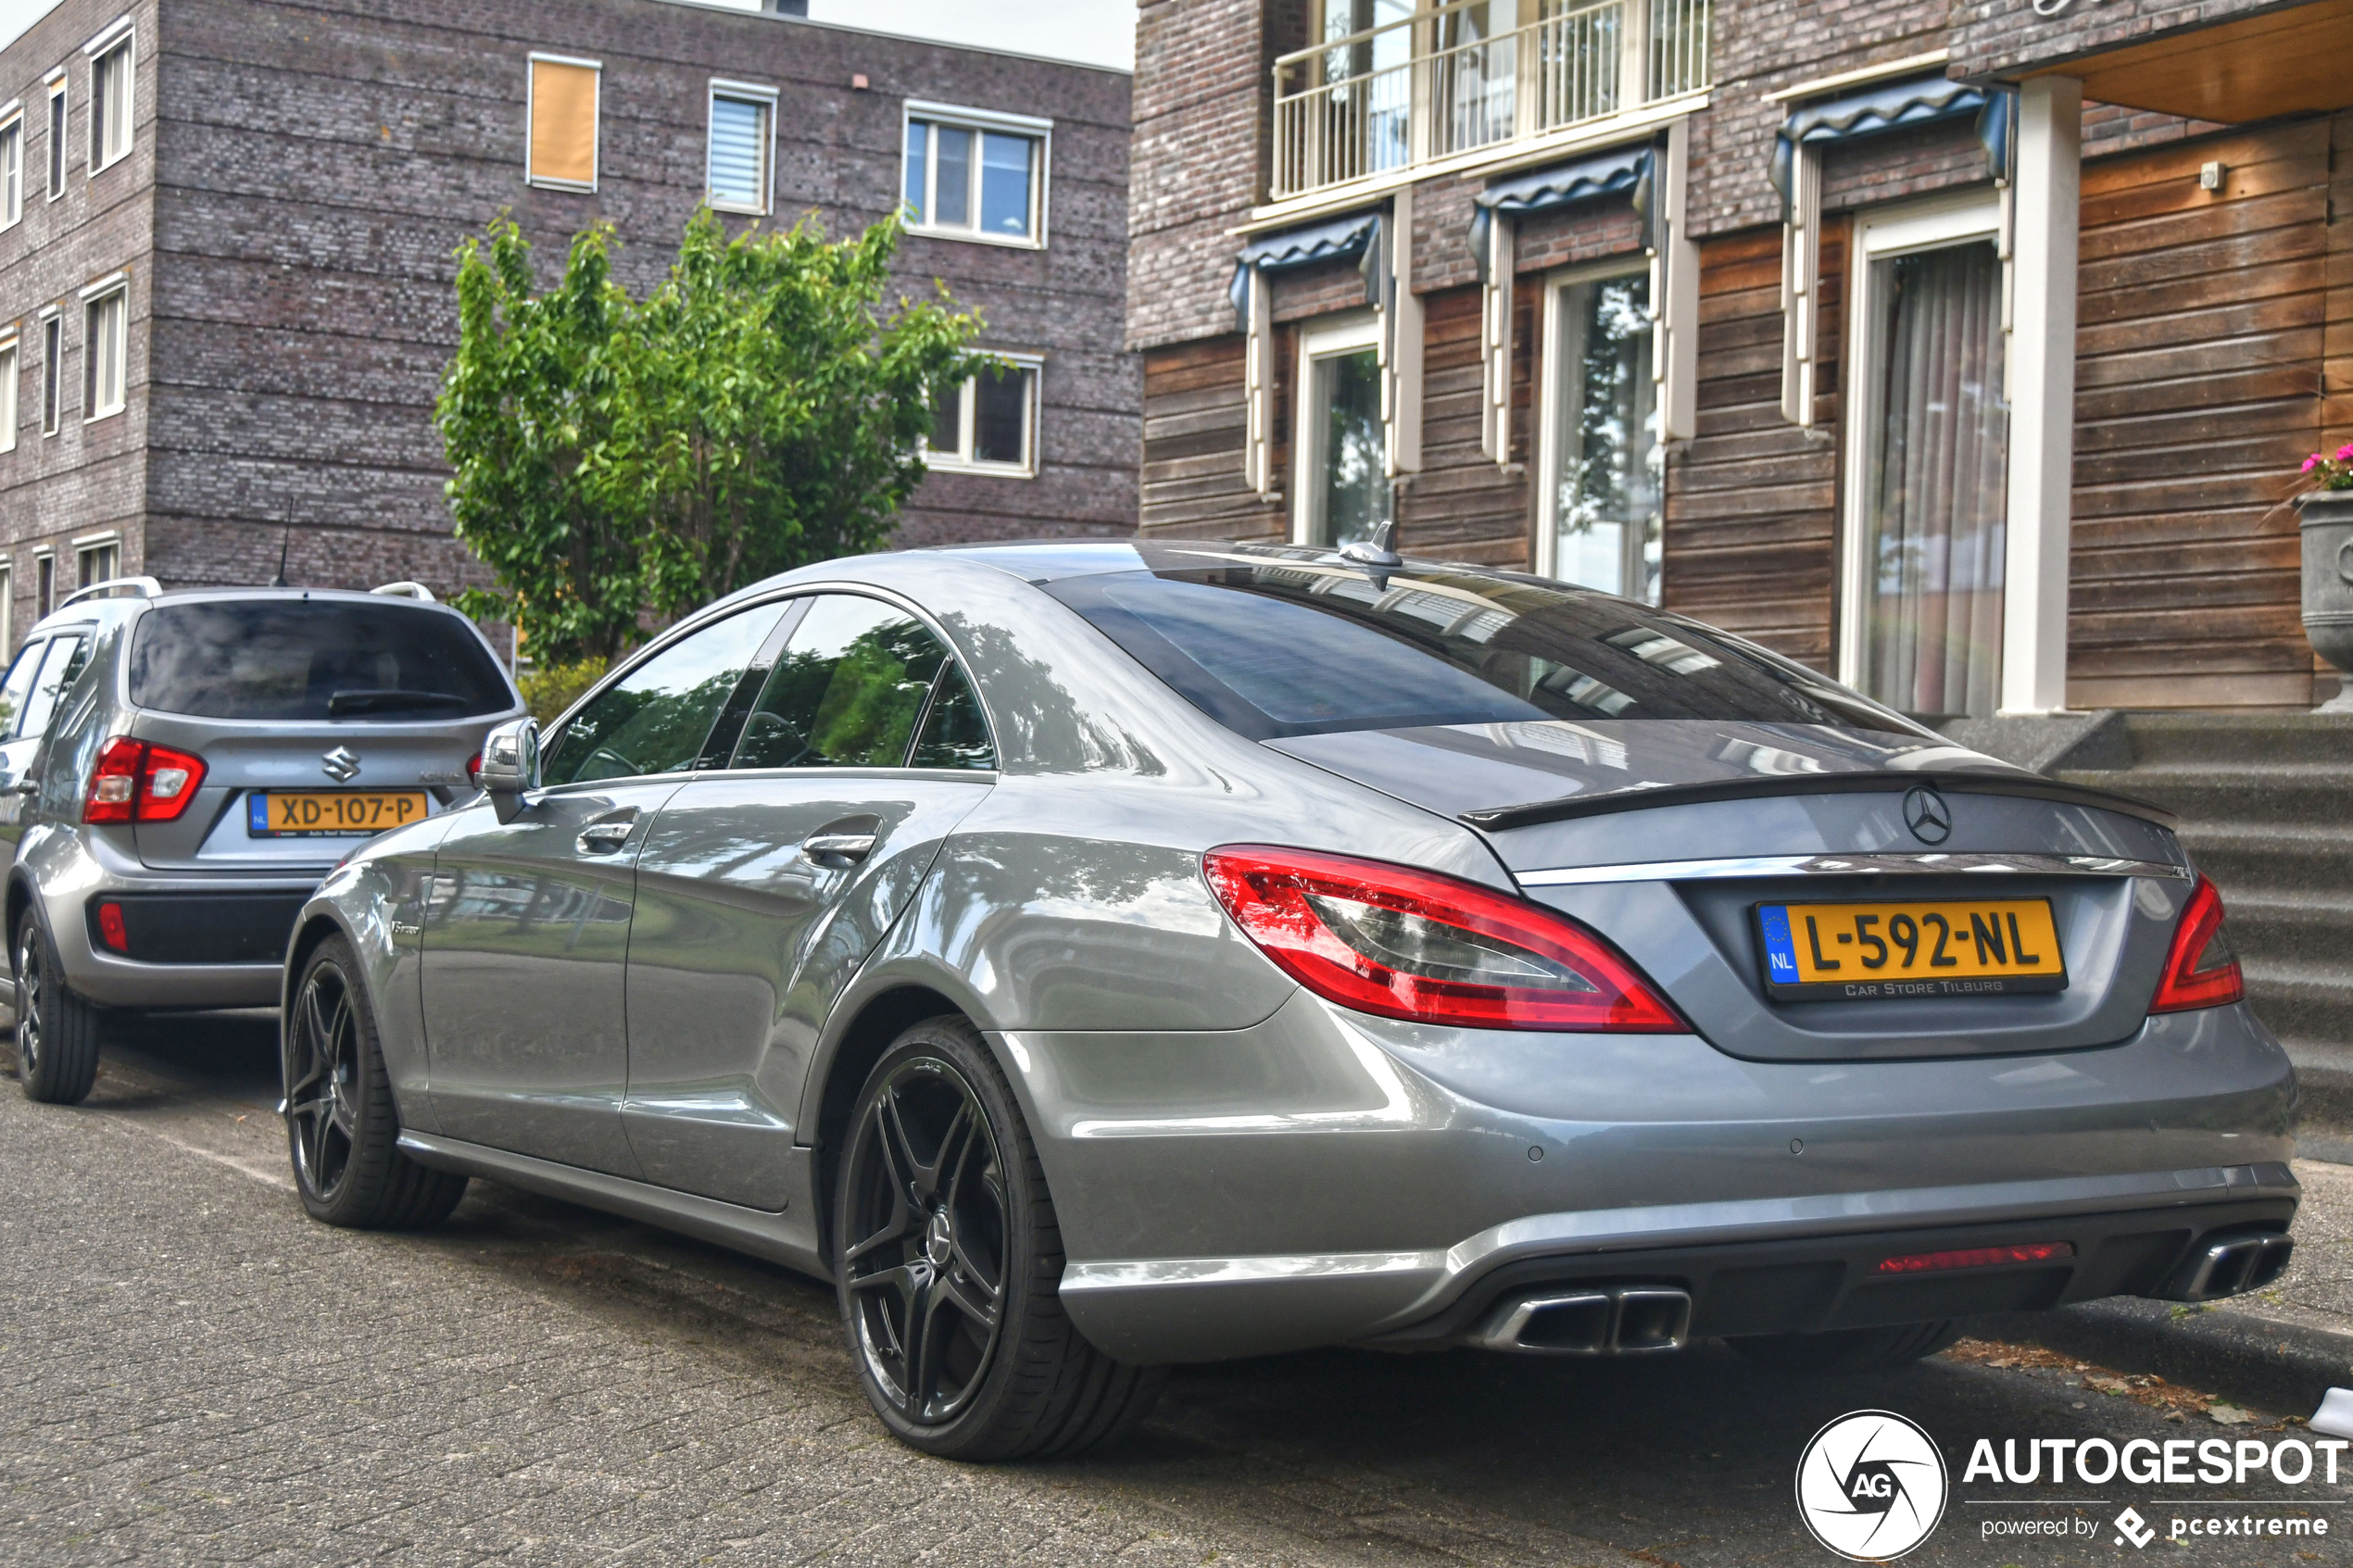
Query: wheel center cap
937	1240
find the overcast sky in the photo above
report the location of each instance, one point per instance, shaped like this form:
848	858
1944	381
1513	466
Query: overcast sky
1097	32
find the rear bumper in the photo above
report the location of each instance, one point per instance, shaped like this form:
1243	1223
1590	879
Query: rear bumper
213	923
210	928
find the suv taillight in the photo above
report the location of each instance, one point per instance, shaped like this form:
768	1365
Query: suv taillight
2200	970
1416	945
137	780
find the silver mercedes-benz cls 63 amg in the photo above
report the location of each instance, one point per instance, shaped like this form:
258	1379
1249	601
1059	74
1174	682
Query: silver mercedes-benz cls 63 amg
1093	955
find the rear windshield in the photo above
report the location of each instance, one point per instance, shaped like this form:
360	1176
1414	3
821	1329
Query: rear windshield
1297	647
305	659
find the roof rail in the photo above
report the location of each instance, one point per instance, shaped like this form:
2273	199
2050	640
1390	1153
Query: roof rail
407	590
143	587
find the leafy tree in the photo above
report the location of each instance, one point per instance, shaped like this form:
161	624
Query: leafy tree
619	463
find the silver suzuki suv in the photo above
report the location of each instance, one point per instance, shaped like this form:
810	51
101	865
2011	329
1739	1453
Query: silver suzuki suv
178	771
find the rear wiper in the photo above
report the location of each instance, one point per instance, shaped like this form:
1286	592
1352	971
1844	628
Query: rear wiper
377	700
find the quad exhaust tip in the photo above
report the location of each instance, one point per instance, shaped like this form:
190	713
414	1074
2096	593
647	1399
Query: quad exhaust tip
2232	1267
1612	1321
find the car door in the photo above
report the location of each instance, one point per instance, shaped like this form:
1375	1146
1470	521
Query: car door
763	886
33	685
527	928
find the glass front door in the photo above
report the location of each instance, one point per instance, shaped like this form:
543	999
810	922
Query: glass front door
1348	474
1606	459
1933	495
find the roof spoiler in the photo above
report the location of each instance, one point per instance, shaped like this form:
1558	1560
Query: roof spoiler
138	587
407	590
2029	786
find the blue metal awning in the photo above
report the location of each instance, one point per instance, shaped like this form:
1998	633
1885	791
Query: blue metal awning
1895	106
1332	240
1614	171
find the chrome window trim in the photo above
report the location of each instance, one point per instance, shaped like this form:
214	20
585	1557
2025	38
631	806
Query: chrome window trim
1854	865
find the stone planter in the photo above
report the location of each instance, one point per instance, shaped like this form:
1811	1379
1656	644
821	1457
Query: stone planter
2328	584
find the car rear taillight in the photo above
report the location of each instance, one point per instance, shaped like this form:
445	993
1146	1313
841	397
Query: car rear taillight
1416	945
1976	1258
2200	970
137	780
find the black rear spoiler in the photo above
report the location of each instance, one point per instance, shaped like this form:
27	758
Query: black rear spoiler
1635	797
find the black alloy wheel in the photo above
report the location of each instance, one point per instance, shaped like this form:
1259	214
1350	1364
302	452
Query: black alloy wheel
28	1003
925	1260
323	1082
343	1125
949	1265
57	1030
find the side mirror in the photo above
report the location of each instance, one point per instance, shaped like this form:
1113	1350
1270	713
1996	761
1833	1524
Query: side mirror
509	766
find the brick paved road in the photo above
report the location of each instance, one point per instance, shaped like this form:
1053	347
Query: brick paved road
190	1371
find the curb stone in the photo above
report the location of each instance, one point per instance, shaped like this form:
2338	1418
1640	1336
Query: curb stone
2282	1368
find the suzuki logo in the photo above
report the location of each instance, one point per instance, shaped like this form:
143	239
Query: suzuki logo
1926	815
342	766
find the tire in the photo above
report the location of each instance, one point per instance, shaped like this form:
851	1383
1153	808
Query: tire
1850	1350
343	1128
57	1030
947	1241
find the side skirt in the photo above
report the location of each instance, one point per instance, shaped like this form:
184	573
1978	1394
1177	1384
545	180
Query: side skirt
788	1238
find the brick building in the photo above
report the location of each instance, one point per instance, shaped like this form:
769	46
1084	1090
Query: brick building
226	238
1764	311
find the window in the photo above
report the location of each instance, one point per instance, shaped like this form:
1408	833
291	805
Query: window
1300	647
855	678
104	352
59	664
299	661
44	584
1927	502
110	104
8	395
58	138
8	618
990	423
1341	456
741	117
100	560
973	175
656	717
1602	458
53	348
564	122
18	685
12	172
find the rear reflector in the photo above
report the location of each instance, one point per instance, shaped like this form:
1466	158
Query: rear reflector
110	928
1976	1258
1411	944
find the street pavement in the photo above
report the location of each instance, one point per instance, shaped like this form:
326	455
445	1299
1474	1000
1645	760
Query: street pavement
195	1372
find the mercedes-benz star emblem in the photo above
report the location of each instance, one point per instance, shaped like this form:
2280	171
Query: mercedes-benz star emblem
1926	815
342	766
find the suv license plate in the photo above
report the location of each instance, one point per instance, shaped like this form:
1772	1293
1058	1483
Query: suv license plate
1932	947
331	813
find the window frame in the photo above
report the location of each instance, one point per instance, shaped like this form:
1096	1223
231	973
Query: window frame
1549	391
111	290
53	379
60	118
119	40
596	121
765	98
90	545
11	386
12	140
44	595
968	413
1328	337
978	121
1882	234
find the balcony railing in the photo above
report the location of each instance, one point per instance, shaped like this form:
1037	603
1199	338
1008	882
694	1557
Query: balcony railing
1432	85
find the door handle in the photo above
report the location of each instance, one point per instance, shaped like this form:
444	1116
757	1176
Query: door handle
846	848
604	838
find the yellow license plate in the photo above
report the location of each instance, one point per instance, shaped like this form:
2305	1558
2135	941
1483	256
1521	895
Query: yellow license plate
331	813
1929	948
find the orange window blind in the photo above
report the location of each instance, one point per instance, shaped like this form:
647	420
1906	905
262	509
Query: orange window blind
564	122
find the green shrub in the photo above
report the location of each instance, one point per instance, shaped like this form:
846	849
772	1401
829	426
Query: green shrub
547	690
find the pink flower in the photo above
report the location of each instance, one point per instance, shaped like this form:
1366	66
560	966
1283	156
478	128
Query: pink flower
2311	462
2344	453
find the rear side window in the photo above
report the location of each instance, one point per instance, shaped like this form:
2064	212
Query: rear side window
313	659
847	690
59	665
19	685
1311	647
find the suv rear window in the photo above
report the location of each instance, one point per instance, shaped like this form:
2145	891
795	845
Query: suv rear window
1313	645
310	660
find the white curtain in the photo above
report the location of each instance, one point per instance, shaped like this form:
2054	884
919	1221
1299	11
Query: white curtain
1936	488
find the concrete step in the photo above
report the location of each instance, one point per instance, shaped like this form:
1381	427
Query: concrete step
2158	739
2298	999
2311	928
2251	859
2314	794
